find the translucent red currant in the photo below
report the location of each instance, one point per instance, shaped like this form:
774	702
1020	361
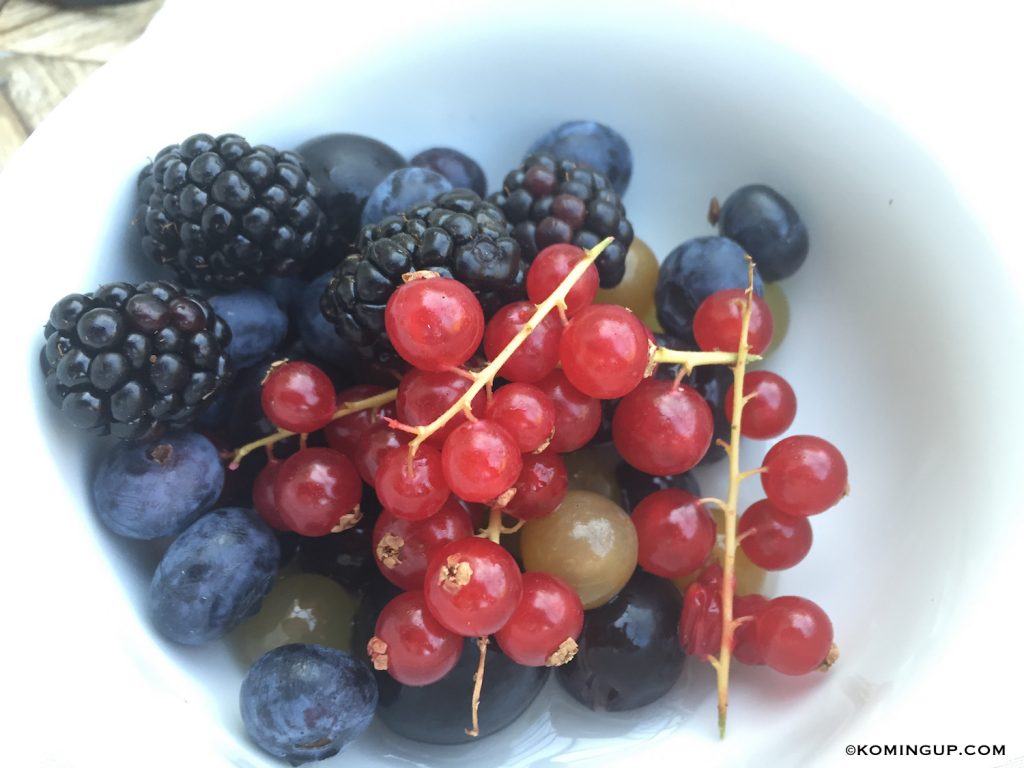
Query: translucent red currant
435	323
548	615
263	496
481	461
541	486
526	412
537	356
771	411
410	643
717	322
411	487
794	635
314	489
298	396
343	434
372	445
551	267
577	416
804	475
604	351
401	547
772	539
423	396
675	533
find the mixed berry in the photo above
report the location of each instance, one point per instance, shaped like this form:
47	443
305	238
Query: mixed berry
411	447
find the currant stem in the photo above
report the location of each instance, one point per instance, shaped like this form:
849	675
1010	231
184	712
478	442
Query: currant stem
346	409
729	508
689	359
487	375
478	684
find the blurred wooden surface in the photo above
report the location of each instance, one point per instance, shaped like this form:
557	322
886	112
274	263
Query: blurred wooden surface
46	50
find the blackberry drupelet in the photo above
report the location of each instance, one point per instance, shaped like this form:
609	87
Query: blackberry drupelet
131	360
548	200
458	235
223	214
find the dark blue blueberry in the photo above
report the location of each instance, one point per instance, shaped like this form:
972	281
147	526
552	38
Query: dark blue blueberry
158	487
303	702
691	273
256	321
629	653
316	332
287	291
401	190
215	414
462	171
764	223
347	167
215	574
593	144
637	486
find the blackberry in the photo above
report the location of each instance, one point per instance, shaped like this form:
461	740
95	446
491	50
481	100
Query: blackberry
222	213
549	200
131	360
456	235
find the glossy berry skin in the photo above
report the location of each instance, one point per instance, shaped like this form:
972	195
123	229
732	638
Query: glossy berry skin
629	653
303	702
157	487
298	396
314	489
804	475
661	428
604	351
348	558
343	434
373	445
541	486
675	533
410	644
258	325
460	170
423	396
401	547
316	332
401	190
472	586
481	460
773	409
767	226
691	273
700	622
794	635
551	267
537	356
577	415
637	486
526	412
776	540
213	576
434	323
548	614
263	496
745	648
718	320
411	488
593	144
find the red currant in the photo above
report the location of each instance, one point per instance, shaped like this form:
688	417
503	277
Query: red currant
481	461
604	351
772	539
717	322
541	486
401	547
410	643
537	356
472	586
411	487
423	396
372	445
548	614
435	323
662	428
794	635
551	267
298	396
700	624
343	434
263	496
804	475
315	488
675	533
577	416
526	412
745	648
771	411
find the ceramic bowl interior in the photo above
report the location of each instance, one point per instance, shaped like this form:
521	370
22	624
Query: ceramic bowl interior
706	108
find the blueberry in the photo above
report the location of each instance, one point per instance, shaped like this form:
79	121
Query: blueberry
401	190
764	223
303	702
637	486
629	652
593	144
213	576
347	167
257	324
157	487
316	332
691	273
287	291
462	171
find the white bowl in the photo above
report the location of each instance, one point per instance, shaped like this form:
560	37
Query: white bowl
897	350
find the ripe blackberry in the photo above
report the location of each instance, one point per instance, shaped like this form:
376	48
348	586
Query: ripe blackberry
130	360
222	213
456	235
548	200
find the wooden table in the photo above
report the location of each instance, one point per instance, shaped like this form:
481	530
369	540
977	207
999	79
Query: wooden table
46	50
